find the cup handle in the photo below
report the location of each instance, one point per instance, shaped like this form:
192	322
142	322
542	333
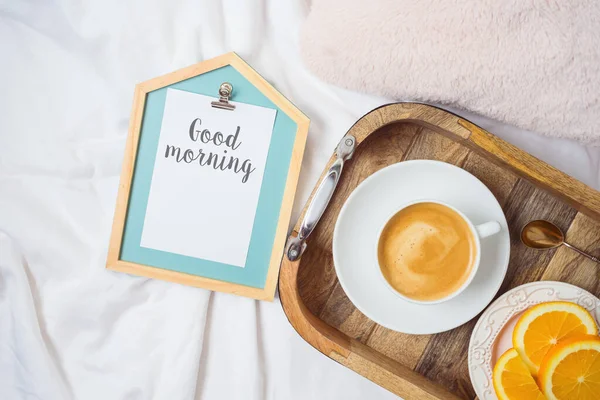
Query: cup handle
488	229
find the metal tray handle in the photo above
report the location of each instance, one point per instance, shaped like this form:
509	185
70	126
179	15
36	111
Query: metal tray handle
297	244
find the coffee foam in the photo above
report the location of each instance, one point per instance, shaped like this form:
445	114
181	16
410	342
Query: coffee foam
426	251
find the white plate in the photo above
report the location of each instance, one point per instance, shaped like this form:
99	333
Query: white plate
493	332
365	212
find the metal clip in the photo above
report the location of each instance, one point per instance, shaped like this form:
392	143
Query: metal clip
225	91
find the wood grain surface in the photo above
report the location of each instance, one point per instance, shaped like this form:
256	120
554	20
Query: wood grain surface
435	366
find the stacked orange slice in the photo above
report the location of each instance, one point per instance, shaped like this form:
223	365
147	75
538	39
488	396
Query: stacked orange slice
512	379
571	370
541	328
557	343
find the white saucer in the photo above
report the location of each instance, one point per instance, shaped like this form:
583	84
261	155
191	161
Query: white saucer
368	208
492	335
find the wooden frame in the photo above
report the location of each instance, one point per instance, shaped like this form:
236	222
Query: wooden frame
141	90
356	350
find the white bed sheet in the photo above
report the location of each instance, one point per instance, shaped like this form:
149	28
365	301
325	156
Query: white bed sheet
69	329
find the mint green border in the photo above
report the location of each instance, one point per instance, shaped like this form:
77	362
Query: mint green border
254	273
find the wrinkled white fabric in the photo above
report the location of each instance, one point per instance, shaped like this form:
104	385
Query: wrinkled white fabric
69	329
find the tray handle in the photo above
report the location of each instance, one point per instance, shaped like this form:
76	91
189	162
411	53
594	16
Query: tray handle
297	244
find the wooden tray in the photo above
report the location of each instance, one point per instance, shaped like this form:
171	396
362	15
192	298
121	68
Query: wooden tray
435	366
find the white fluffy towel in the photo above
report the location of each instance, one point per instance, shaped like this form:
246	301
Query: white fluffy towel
531	63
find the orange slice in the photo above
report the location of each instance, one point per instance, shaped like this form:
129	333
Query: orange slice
571	370
512	379
541	327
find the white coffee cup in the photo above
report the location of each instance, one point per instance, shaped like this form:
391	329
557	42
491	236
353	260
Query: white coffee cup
479	232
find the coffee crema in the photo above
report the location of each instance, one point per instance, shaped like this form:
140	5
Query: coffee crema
426	251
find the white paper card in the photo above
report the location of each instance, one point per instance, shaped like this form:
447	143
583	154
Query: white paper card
207	177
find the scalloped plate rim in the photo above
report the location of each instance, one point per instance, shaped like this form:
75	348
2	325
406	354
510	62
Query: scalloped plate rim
480	370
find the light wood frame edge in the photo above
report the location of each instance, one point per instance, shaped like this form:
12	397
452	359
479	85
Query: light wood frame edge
382	370
141	90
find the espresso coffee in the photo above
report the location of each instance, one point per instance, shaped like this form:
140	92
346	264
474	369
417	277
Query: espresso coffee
426	251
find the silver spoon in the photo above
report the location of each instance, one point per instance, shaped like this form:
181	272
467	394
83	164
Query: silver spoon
540	234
